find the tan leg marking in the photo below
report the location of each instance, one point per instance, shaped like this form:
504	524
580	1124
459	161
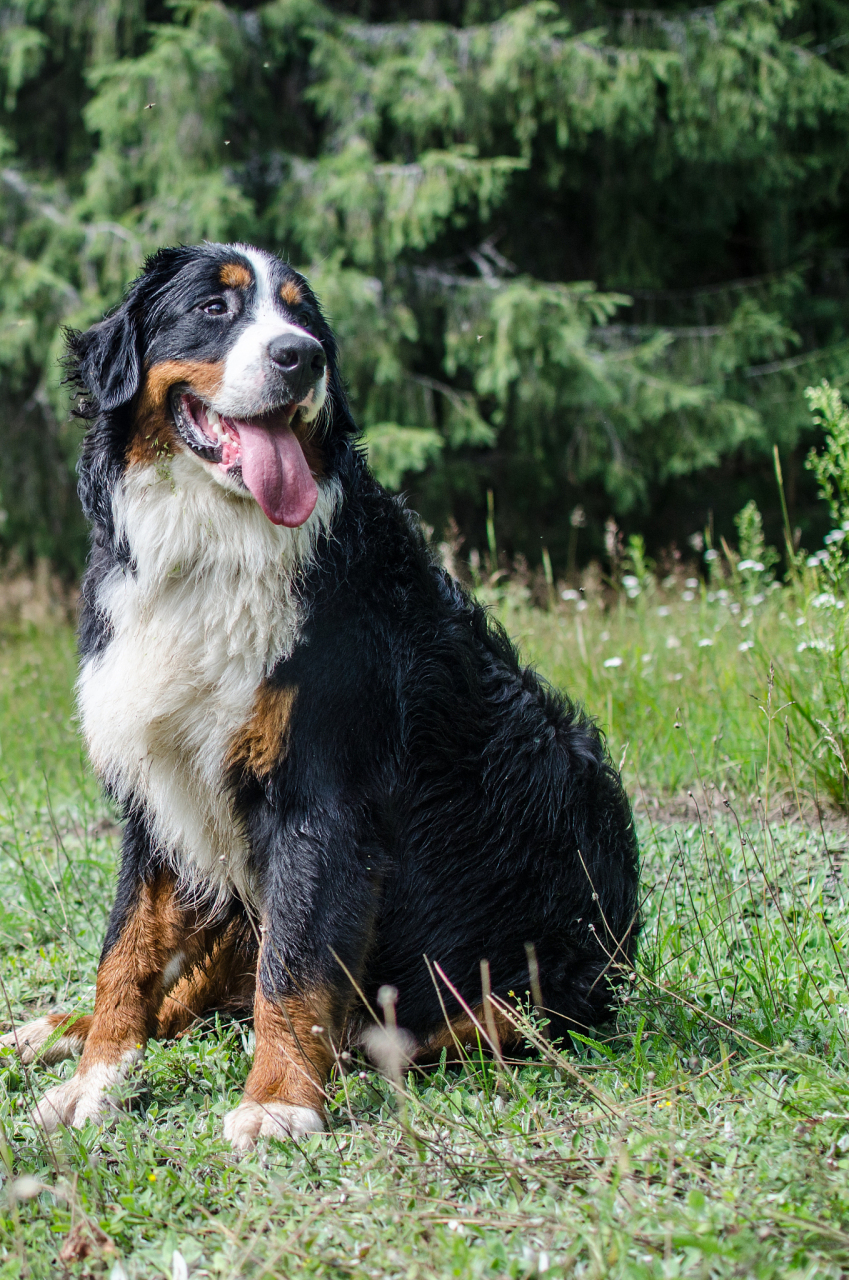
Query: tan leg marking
465	1032
29	1039
130	991
284	1092
224	979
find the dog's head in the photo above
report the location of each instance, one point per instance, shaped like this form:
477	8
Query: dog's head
221	352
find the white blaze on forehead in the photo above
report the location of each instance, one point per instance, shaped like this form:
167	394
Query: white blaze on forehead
243	388
261	265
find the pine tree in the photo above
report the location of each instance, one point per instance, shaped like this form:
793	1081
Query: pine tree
571	253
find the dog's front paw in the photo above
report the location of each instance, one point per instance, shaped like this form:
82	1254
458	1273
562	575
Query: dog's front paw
29	1040
253	1120
86	1096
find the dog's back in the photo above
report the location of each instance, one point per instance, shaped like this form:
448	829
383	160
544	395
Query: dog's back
491	815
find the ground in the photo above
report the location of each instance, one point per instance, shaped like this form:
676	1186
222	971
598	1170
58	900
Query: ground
704	1133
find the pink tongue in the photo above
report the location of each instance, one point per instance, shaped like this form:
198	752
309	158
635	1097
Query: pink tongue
275	470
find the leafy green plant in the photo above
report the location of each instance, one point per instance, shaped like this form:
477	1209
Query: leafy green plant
757	561
815	680
831	467
639	574
395	451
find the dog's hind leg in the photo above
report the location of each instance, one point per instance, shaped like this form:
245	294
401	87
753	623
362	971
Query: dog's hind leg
463	1034
223	980
43	1041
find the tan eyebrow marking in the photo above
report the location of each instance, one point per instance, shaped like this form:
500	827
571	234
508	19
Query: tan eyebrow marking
291	293
235	276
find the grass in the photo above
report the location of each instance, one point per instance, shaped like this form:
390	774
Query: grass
704	1134
680	679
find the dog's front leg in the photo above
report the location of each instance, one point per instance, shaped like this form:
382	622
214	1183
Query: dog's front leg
149	942
319	902
284	1093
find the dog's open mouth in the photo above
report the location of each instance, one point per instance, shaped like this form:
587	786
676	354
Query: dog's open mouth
264	451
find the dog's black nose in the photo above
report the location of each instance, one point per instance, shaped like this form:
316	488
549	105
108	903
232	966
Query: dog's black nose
298	357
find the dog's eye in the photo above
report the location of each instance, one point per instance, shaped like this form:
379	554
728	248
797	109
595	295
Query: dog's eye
214	307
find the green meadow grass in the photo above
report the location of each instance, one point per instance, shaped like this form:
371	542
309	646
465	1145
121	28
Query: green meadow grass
741	691
704	1134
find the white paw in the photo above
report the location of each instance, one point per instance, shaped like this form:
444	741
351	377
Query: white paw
253	1120
29	1040
86	1096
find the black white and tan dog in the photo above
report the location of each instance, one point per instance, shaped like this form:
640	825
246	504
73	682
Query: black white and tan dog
334	773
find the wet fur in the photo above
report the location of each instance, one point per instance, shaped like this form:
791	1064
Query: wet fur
429	799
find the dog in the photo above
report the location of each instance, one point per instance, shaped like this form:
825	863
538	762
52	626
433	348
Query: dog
337	781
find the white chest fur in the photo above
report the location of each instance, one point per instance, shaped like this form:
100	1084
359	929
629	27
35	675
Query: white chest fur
207	613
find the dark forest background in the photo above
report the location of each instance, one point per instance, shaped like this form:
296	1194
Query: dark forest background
577	255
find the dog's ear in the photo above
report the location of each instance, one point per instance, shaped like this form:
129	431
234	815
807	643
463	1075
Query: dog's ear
338	419
106	359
